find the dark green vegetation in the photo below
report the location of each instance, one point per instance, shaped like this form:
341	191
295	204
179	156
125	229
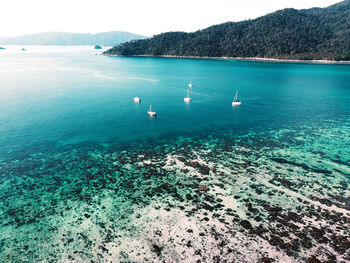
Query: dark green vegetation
317	33
64	38
98	47
2	48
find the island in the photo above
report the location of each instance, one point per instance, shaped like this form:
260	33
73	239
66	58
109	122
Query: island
2	48
98	47
111	38
309	34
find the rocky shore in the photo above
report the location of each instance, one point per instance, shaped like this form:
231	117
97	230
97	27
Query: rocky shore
246	59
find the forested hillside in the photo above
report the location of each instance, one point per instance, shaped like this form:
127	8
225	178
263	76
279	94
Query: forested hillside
317	33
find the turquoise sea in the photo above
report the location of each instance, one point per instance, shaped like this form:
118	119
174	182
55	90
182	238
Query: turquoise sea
87	176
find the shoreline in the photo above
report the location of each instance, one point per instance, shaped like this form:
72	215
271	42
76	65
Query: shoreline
258	59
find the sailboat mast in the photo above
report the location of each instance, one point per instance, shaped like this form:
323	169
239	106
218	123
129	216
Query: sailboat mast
236	97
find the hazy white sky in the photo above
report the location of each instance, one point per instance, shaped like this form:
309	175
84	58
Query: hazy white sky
147	17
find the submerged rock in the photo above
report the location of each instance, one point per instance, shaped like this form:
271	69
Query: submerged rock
111	193
204	170
193	164
246	224
156	249
313	259
266	260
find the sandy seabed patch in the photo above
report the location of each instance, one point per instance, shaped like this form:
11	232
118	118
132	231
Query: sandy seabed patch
261	197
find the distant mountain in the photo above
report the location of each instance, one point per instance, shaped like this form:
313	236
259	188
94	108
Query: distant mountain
316	33
63	38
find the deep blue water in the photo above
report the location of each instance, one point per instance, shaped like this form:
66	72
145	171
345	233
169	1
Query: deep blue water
69	95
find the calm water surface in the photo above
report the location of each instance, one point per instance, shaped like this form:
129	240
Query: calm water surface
69	95
87	176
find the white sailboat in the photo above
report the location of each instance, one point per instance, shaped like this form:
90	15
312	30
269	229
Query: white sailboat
150	112
235	101
190	85
137	100
187	99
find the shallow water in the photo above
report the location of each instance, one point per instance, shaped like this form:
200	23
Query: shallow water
87	175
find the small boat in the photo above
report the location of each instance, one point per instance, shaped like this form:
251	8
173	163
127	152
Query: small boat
150	112
187	99
137	100
235	101
190	85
